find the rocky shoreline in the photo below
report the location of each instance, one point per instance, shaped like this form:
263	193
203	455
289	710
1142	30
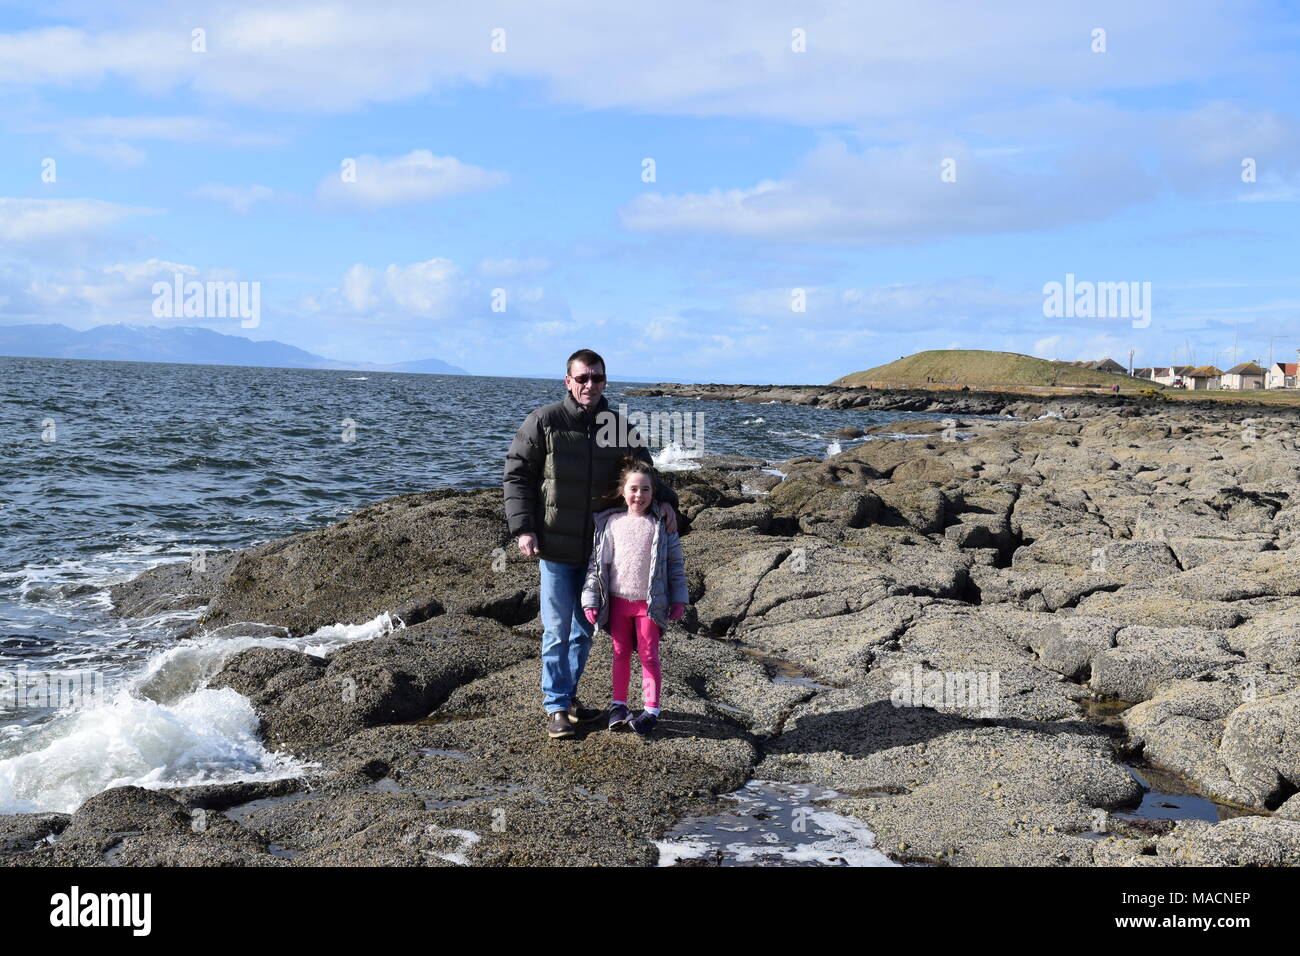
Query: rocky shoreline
963	401
1126	569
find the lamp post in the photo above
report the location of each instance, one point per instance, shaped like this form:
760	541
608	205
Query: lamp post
1271	339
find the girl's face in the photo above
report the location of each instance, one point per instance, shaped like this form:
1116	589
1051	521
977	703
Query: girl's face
637	493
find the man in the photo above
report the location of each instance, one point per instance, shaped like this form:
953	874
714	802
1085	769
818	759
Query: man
560	471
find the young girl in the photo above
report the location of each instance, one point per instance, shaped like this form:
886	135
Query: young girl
636	581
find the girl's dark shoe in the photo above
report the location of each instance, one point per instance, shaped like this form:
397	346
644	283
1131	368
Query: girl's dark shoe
620	718
557	725
644	723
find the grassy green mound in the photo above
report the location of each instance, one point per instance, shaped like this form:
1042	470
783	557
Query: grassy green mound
976	367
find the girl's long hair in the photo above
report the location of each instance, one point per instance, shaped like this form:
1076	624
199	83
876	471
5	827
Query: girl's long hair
631	465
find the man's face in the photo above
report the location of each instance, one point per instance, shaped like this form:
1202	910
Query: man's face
583	385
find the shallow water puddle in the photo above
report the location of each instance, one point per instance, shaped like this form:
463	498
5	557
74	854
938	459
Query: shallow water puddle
437	752
772	824
1165	798
801	682
385	785
782	671
241	812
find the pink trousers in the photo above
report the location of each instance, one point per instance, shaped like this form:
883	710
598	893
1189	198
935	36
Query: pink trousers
630	625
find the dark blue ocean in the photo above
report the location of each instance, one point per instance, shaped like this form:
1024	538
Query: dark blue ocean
110	468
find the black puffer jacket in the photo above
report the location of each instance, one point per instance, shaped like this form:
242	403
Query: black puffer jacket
557	476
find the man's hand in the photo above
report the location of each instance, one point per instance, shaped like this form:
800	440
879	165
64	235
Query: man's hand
670	517
528	544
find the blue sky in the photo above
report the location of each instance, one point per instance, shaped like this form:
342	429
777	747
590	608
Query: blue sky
775	169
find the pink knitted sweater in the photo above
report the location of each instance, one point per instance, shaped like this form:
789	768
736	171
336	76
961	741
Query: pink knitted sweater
629	573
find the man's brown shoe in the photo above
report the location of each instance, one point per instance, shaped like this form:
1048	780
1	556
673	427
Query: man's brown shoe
557	725
582	715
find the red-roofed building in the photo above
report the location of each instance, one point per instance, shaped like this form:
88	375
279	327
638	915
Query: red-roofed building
1282	375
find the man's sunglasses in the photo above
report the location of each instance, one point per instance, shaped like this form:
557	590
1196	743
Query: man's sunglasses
592	377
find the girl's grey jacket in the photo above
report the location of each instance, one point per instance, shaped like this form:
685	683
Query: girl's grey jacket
667	569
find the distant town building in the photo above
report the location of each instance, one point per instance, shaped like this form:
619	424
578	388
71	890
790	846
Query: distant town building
1167	374
1244	377
1281	375
1100	365
1204	377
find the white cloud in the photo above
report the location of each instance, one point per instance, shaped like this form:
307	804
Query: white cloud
435	289
30	220
174	129
900	307
356	291
945	299
443	308
732	57
425	288
150	269
1195	152
754	211
109	137
113	153
896	195
239	198
1075	348
1048	347
512	268
153	58
1275	194
82	296
419	176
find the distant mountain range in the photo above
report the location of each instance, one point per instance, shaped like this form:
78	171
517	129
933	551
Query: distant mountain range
187	345
192	345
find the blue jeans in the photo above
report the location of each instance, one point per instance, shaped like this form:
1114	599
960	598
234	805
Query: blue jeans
566	639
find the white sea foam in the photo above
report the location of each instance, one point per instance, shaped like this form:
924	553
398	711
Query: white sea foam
672	457
673	852
165	728
833	449
104	570
773	824
844	839
207	737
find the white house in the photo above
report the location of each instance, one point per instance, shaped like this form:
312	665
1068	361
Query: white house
1207	376
1166	375
1245	377
1281	375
